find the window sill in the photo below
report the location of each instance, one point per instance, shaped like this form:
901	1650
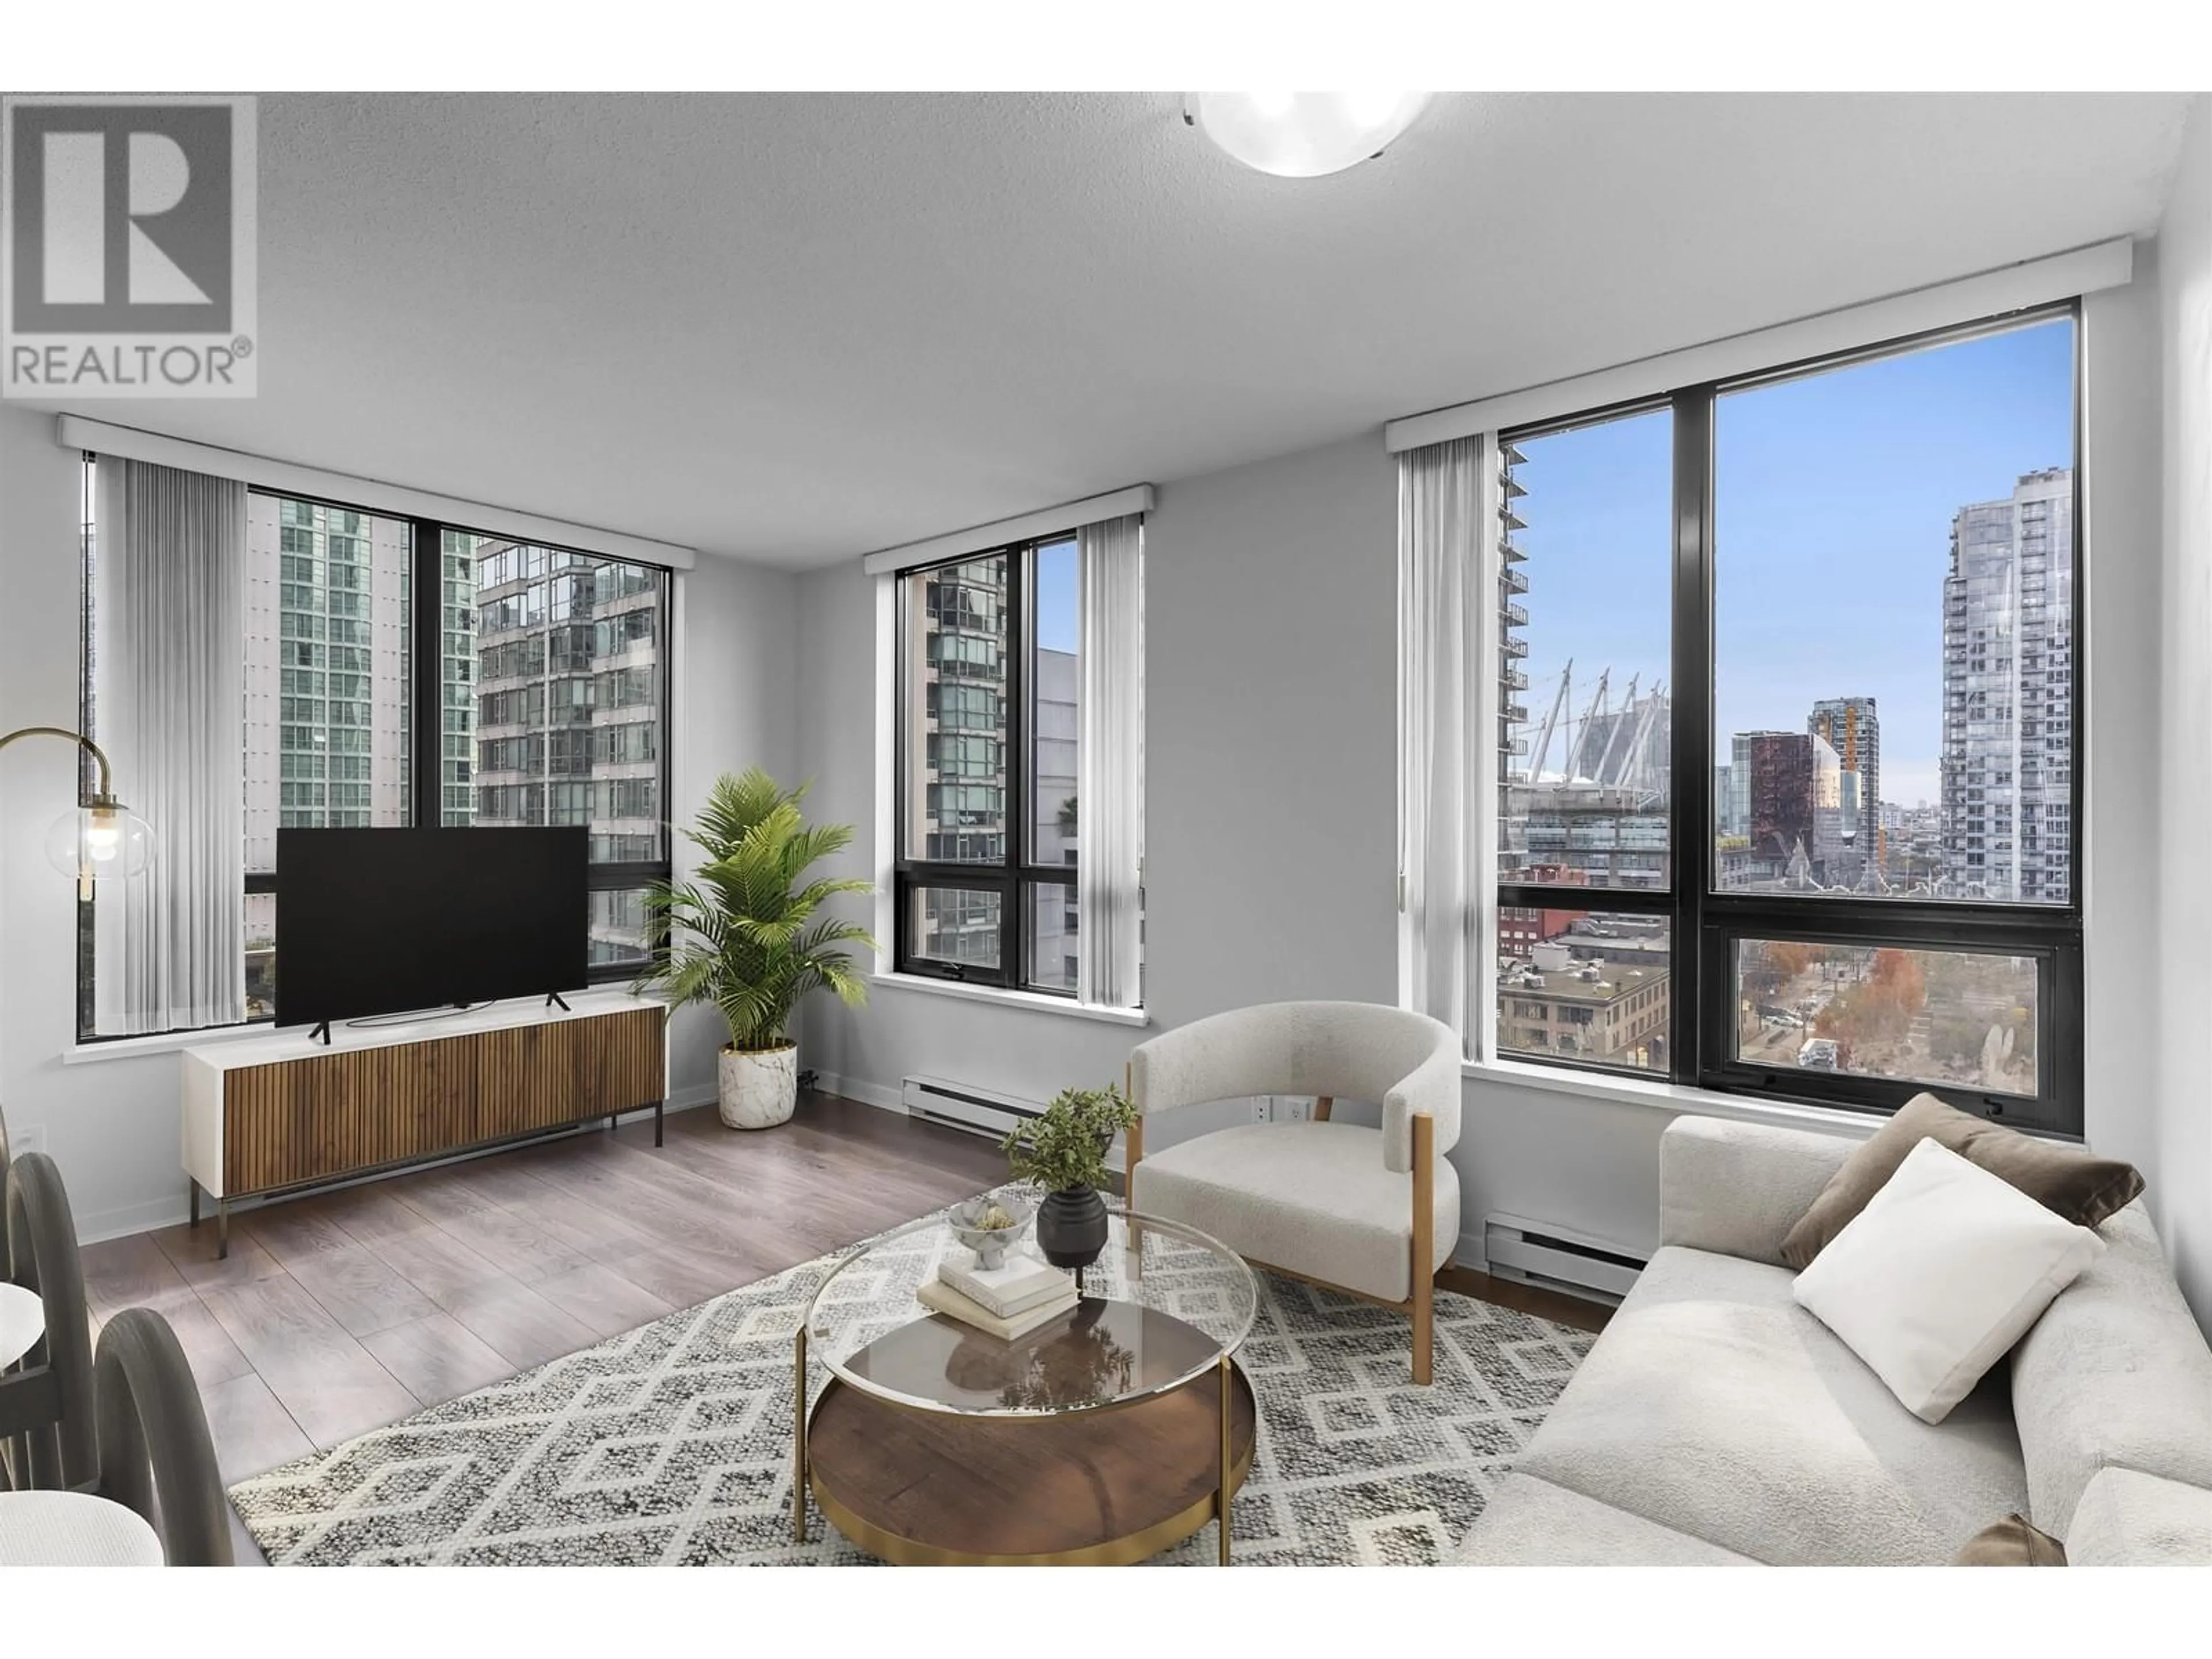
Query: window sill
1673	1097
167	1042
1034	1001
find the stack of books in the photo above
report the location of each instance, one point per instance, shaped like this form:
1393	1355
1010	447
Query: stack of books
1009	1300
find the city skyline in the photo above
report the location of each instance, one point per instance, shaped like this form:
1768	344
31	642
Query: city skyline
1843	487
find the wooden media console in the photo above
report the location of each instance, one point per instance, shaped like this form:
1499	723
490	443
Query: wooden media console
278	1113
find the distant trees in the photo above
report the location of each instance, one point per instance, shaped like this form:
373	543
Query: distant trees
1880	1008
1769	964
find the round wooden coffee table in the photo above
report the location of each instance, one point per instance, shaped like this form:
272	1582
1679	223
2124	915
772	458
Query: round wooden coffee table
1113	1432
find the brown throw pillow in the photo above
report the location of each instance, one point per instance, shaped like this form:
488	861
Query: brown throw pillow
2011	1542
2065	1179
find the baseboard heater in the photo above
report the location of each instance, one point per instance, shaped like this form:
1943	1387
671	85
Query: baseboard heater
1533	1252
963	1106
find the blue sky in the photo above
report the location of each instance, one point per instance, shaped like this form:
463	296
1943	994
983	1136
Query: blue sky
1835	496
1057	602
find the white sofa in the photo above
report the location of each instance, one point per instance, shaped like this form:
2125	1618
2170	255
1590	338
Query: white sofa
1716	1422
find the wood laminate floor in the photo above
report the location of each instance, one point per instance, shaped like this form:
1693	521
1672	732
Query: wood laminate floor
337	1314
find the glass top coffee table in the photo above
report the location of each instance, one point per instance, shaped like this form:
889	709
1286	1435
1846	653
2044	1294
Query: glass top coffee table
1112	1432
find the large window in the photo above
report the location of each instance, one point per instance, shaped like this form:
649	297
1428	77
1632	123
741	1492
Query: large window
990	676
511	684
1839	602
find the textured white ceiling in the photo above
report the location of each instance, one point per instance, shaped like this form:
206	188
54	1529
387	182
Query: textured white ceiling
799	327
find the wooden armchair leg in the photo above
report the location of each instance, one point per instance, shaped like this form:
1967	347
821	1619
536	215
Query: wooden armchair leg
1424	1327
1132	1148
1133	1153
1424	1263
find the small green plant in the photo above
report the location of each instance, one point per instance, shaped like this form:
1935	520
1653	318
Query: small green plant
1066	1148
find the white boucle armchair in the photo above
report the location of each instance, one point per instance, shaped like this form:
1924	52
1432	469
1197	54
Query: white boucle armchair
1370	1211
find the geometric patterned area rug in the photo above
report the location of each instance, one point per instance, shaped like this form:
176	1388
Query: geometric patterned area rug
673	1445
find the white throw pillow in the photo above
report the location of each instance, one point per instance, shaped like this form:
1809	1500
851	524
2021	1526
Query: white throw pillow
1942	1272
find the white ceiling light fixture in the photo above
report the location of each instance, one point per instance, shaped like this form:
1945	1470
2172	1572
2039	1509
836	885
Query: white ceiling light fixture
1302	135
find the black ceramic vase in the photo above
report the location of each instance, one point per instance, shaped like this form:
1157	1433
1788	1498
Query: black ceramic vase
1071	1227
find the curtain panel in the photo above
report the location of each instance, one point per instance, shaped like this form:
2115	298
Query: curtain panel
1440	503
168	582
1111	818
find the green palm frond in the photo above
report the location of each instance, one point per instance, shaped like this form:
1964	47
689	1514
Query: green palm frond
745	932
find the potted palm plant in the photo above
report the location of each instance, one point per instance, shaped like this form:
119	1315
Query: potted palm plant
743	934
1064	1151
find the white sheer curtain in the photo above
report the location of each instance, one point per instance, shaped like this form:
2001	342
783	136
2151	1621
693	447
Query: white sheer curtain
169	708
1110	797
1440	497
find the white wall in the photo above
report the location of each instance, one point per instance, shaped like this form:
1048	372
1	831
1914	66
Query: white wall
112	1125
2182	1194
1271	790
2120	900
737	659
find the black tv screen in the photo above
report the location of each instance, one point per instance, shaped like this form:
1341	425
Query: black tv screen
386	921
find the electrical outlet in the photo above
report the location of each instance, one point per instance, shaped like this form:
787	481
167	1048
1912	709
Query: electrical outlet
31	1138
1295	1110
1263	1107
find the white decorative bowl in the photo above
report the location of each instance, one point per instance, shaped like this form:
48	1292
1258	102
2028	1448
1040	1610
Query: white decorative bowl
990	1244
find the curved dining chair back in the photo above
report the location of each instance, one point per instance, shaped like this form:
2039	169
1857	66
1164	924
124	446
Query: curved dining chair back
156	1452
61	1451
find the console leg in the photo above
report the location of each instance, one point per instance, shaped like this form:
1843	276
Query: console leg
222	1230
195	1194
657	1106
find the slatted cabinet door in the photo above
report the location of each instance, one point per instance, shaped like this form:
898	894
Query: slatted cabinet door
540	1077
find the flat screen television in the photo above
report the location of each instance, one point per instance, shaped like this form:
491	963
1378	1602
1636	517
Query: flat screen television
388	921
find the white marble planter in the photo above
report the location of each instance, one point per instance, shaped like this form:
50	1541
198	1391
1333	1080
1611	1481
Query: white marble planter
758	1090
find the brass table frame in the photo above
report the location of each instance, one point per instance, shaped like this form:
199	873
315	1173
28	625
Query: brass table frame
1116	1552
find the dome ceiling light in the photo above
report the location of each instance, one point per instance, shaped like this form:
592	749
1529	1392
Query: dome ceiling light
1302	135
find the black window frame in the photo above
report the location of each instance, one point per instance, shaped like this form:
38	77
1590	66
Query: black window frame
1017	877
1706	924
426	726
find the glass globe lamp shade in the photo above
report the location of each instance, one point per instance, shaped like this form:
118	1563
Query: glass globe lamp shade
104	840
1302	135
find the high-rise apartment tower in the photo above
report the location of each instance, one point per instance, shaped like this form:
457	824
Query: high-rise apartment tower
2008	755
